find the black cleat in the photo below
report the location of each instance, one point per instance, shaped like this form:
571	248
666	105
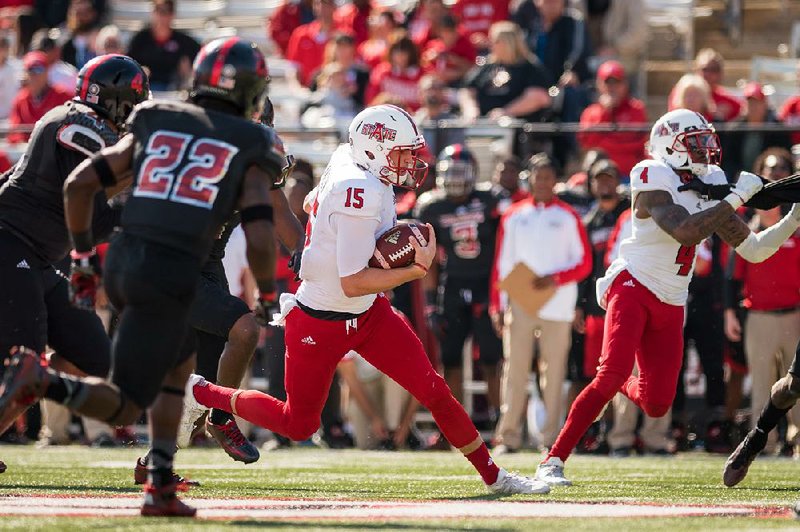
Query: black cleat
140	476
739	461
233	442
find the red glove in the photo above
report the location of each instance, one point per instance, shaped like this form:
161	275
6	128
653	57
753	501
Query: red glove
84	279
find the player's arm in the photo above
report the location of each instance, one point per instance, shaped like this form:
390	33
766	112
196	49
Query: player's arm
290	231
104	170
257	222
355	244
758	247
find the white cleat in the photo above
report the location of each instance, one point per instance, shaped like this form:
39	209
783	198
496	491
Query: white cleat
192	410
514	484
551	471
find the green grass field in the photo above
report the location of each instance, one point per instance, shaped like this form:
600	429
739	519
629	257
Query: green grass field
436	476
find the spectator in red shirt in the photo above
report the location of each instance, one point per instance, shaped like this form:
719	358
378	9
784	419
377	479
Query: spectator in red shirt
710	65
35	98
353	18
423	21
450	56
771	291
382	27
615	106
477	16
790	113
307	44
397	80
289	15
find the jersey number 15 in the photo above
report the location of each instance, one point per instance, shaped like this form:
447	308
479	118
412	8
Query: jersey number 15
165	174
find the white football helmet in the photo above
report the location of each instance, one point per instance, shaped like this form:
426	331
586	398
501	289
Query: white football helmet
685	140
378	135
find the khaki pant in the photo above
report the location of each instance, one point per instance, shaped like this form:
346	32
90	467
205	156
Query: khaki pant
554	343
55	424
623	434
388	398
770	342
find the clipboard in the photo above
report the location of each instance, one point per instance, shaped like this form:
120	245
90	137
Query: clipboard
518	284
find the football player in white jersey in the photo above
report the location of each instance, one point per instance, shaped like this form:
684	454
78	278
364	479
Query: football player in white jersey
339	306
645	288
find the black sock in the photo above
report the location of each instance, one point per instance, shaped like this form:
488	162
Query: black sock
159	467
770	417
219	417
66	389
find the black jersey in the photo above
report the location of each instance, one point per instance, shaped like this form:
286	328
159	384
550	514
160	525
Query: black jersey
32	198
189	163
599	225
466	231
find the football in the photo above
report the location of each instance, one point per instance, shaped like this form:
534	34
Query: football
393	248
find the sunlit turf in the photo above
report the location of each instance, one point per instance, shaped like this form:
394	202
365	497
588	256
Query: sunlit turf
313	473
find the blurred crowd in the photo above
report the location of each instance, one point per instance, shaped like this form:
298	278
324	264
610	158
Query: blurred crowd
560	201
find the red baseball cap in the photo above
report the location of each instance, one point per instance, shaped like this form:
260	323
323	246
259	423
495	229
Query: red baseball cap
34	61
754	90
611	69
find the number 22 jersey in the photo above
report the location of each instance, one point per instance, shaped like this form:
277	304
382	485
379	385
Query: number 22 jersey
651	255
189	165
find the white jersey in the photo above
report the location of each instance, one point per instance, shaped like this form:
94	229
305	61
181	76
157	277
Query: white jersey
651	255
345	189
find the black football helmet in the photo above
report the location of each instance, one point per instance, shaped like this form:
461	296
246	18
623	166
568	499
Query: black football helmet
112	85
232	70
456	171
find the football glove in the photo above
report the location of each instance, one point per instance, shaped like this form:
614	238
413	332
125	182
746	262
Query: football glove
84	279
266	306
294	263
714	192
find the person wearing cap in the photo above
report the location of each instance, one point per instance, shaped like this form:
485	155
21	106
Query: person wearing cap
10	74
59	73
615	106
166	52
35	98
743	144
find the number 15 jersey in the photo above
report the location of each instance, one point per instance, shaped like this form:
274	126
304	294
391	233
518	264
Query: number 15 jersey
189	164
650	254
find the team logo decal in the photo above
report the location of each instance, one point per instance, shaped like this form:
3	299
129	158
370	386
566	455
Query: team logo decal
393	238
92	93
378	132
667	128
137	82
227	78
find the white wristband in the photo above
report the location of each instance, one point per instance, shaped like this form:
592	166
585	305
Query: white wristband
734	200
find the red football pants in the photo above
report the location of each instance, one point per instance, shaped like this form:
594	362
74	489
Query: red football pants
313	349
641	328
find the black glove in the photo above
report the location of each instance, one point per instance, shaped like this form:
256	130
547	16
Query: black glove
84	279
265	307
714	192
294	263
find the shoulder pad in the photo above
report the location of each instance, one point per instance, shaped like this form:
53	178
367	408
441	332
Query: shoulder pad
653	175
85	133
357	197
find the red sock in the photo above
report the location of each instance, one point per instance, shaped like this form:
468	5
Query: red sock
214	396
482	461
584	411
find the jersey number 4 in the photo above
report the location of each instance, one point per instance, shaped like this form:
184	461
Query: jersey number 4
685	258
166	175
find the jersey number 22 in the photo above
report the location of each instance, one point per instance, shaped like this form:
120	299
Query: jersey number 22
164	173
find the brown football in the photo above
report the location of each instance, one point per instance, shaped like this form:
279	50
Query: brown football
393	248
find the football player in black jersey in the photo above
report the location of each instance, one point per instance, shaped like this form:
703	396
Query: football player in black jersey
193	163
465	220
34	242
226	329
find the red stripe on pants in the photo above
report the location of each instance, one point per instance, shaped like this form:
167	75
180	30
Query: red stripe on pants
641	328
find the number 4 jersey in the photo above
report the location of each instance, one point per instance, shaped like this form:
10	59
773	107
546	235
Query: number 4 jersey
189	165
651	255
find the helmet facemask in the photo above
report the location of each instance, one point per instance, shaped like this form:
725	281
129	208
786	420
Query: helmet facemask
408	174
456	178
702	148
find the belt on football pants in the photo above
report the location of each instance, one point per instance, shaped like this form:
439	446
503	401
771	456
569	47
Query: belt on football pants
329	315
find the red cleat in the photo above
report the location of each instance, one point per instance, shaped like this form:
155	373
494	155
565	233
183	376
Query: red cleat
140	476
23	384
163	502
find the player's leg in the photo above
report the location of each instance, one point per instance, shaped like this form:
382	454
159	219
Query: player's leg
625	323
783	397
659	359
389	344
455	327
491	353
310	366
